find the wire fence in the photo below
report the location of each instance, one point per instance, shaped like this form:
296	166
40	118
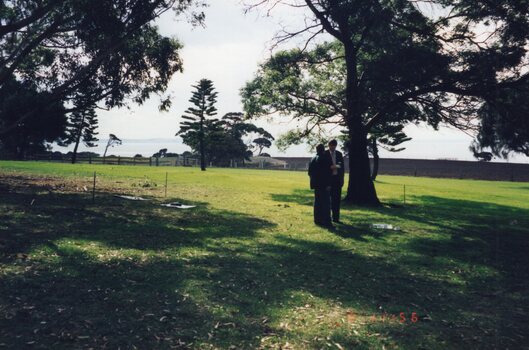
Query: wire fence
118	160
256	163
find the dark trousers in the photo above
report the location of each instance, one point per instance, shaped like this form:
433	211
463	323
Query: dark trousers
336	198
322	206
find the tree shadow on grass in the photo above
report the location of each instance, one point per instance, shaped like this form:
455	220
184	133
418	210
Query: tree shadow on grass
296	274
479	235
214	280
111	273
239	297
483	245
482	233
477	232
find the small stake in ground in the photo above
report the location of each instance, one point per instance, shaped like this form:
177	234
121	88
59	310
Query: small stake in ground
94	188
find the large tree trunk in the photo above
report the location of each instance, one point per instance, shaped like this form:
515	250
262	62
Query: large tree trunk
360	190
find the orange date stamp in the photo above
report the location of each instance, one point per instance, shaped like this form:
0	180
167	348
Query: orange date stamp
401	317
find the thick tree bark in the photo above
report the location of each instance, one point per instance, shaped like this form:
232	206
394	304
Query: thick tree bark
360	190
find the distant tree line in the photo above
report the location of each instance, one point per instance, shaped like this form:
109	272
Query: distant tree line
84	155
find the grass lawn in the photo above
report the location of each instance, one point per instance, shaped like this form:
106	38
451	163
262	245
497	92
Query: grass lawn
248	269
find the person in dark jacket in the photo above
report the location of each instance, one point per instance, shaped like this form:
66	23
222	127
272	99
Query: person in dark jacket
337	179
320	181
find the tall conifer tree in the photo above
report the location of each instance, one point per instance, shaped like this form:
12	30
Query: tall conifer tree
197	118
82	128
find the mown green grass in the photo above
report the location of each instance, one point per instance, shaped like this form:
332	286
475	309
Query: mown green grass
247	268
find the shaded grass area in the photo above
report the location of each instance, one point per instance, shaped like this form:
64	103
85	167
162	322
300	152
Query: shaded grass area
247	269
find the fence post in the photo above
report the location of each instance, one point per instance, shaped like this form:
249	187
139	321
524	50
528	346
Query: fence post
119	160
157	161
89	159
150	161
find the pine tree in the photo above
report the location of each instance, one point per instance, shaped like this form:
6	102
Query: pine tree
82	127
194	128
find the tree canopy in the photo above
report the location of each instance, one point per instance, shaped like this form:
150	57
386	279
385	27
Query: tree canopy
262	143
233	137
105	50
34	134
435	61
504	125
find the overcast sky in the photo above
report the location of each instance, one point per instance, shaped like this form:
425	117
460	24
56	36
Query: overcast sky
228	51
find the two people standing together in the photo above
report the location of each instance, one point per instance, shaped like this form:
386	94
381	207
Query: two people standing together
326	171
